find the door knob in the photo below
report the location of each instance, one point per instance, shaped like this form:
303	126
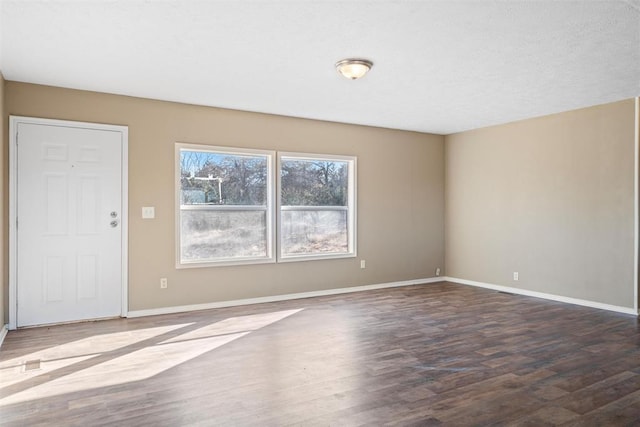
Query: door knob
114	214
113	223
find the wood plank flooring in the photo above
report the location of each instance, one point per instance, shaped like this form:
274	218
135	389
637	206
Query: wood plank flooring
437	354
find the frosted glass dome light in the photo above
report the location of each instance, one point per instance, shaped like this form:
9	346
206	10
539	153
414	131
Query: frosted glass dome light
353	68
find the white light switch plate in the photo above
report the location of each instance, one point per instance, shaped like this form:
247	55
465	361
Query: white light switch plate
148	212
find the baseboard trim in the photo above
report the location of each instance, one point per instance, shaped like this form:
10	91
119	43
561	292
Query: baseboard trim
275	298
3	333
559	298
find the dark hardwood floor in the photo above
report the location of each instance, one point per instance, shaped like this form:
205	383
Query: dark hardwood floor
438	354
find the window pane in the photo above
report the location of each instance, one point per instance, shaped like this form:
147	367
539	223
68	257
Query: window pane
313	182
314	232
222	179
209	235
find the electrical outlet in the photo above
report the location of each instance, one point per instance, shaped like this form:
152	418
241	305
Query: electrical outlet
148	212
164	283
363	263
515	275
437	271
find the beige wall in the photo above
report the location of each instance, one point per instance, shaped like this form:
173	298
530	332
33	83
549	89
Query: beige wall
551	198
400	193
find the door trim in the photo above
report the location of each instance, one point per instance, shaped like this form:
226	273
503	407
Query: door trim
13	198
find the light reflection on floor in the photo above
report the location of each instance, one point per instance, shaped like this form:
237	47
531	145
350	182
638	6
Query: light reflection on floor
142	362
12	370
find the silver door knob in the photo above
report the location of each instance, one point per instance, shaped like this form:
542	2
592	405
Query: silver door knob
113	223
114	214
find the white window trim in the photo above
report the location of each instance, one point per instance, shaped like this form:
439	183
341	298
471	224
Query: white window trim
351	207
270	210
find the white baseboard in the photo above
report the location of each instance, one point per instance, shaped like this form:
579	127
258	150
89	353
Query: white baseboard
274	298
4	330
559	298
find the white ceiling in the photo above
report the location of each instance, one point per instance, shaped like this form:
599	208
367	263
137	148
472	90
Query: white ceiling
440	66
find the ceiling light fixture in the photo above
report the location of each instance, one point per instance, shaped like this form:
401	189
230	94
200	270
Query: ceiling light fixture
353	68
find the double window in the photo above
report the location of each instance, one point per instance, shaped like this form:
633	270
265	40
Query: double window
229	205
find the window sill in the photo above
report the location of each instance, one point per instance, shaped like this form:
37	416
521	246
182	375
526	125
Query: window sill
224	263
295	258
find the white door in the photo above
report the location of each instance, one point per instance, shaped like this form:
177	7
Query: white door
68	200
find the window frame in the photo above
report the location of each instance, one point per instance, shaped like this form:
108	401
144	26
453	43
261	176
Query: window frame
270	208
350	208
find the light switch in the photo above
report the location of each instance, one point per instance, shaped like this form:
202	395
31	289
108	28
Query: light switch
148	212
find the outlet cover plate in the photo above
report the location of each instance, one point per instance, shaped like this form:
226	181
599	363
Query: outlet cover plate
148	212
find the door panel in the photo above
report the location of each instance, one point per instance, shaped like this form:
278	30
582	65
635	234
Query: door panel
69	239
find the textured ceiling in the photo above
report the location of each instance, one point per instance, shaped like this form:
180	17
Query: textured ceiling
440	66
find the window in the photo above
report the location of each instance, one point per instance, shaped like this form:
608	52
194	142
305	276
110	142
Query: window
317	206
225	205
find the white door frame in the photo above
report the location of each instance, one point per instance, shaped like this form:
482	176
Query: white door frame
13	195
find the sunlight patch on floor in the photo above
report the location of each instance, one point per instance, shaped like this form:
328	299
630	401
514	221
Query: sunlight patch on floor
12	370
234	325
148	361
